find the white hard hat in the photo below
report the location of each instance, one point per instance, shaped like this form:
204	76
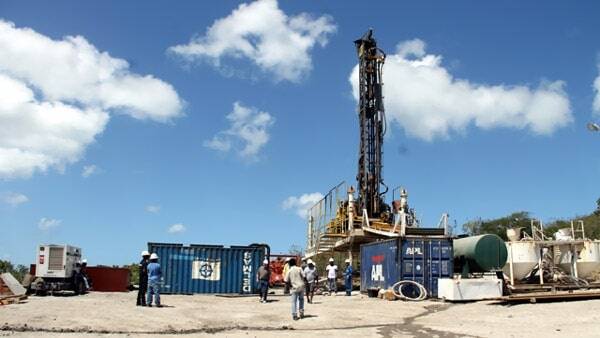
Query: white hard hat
347	261
331	259
154	256
266	261
310	261
145	253
84	261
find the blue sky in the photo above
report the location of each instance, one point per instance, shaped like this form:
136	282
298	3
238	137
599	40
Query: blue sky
214	143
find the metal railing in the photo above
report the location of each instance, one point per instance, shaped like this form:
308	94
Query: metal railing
323	217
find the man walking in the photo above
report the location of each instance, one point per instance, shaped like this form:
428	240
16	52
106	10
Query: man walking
348	278
263	275
154	275
312	278
332	276
143	272
295	278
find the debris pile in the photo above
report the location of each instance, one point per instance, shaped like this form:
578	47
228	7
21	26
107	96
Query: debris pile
11	291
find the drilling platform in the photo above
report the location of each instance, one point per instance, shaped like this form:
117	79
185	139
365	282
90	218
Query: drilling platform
341	221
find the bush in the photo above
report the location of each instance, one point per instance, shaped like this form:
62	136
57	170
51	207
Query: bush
18	271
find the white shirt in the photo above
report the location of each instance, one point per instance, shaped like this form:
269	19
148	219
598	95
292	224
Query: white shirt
331	271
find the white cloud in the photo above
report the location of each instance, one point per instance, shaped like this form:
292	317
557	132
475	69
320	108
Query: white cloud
596	106
48	223
247	134
154	209
89	170
176	228
302	203
428	102
13	198
57	96
263	33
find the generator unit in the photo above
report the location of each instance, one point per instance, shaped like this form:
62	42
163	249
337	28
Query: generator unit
58	268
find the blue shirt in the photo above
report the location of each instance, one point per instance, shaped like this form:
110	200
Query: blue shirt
154	272
348	272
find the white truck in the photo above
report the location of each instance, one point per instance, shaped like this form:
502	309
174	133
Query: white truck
58	268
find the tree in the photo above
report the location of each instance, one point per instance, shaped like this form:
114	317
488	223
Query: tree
5	266
498	226
597	211
134	273
18	271
296	250
472	227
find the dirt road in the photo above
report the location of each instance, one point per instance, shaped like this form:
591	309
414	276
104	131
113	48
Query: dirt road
115	315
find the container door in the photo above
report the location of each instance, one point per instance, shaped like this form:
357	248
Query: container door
439	260
413	263
413	260
379	265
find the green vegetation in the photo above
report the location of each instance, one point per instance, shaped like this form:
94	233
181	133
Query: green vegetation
522	219
134	273
498	226
18	271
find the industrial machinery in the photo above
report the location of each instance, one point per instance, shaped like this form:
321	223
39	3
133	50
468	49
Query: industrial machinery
276	264
540	267
478	262
372	128
58	268
342	221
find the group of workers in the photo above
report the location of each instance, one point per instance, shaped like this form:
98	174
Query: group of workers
301	280
150	274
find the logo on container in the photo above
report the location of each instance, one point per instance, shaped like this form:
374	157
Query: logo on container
206	269
247	273
414	251
377	259
377	273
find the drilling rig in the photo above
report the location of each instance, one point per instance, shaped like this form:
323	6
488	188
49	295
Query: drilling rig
339	222
371	115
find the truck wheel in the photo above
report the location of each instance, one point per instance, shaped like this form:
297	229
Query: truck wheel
40	287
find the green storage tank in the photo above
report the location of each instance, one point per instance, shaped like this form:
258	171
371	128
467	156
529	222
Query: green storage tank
481	253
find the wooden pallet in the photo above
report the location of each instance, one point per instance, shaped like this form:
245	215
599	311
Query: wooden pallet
12	299
535	296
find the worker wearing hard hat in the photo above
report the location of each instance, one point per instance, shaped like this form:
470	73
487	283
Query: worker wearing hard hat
332	276
263	276
286	269
84	275
154	275
80	278
143	283
312	278
348	278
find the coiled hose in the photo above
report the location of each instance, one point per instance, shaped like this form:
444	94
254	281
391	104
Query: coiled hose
397	290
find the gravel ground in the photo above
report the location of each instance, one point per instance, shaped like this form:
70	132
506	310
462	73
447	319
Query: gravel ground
115	315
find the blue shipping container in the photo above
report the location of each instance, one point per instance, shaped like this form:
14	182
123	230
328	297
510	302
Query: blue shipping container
208	268
420	259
